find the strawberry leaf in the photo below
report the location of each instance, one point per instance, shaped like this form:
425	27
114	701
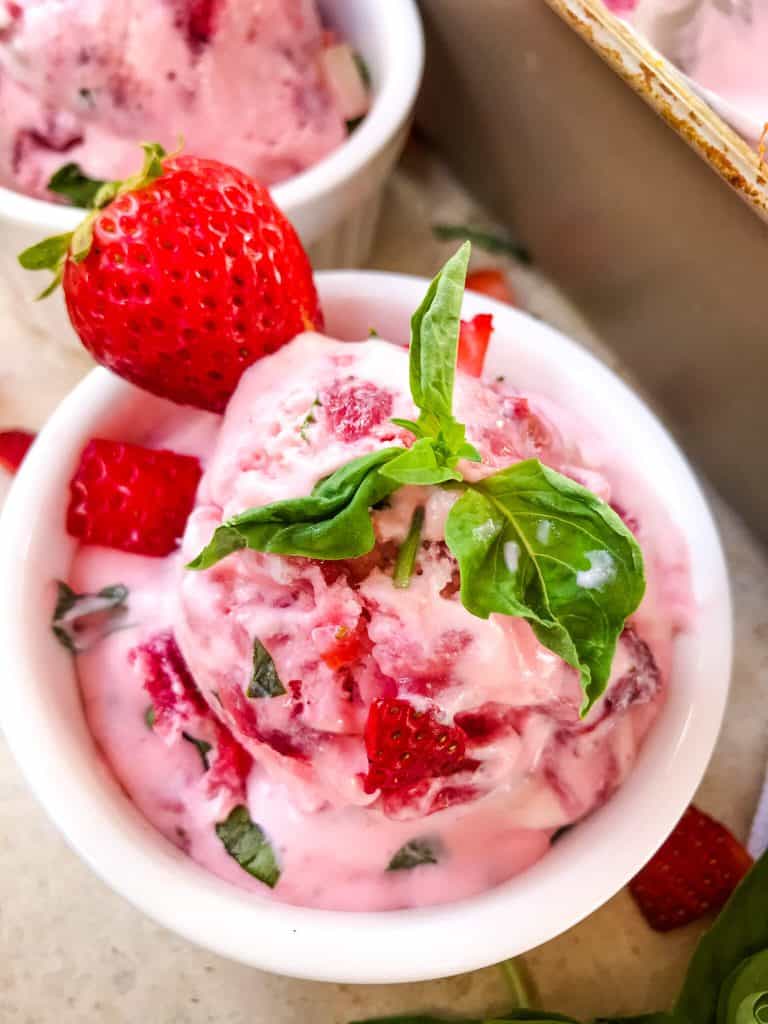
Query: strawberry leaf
71	182
246	843
534	544
46	255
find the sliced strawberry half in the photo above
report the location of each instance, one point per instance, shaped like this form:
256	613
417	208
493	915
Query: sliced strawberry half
474	338
14	445
493	283
132	498
405	746
693	873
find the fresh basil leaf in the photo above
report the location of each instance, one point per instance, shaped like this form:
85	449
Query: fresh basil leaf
753	1009
740	931
413	854
81	620
71	182
435	337
419	465
488	240
534	544
203	748
750	978
405	563
333	522
265	682
246	843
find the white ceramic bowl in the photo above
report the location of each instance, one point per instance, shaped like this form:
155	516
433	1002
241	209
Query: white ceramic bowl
41	714
334	205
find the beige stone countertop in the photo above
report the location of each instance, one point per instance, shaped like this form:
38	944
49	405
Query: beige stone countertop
72	952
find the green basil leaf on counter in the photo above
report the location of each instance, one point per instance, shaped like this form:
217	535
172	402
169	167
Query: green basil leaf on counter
81	620
203	748
534	544
740	932
246	843
74	184
488	240
333	522
265	682
414	854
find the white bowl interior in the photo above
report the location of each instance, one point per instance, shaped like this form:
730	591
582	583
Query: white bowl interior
44	724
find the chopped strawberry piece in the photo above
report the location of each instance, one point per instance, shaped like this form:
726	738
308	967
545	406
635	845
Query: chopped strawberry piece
230	765
493	283
347	647
169	683
14	445
474	338
353	408
131	498
405	745
693	873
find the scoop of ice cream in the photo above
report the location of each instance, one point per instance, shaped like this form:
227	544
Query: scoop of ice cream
84	80
341	636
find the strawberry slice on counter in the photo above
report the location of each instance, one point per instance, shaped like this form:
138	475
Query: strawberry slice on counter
693	873
182	277
490	281
405	746
474	338
132	498
14	445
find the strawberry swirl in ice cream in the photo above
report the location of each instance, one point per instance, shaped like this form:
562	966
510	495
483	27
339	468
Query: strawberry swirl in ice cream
345	730
259	85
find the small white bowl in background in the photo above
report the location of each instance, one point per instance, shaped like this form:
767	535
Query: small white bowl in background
334	205
43	720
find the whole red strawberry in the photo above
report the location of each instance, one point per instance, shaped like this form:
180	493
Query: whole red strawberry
132	498
694	872
405	745
183	277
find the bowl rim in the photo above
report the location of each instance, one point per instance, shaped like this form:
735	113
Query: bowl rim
400	77
400	945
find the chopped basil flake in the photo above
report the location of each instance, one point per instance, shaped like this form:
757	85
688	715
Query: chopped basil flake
203	748
246	843
81	620
265	682
415	853
150	716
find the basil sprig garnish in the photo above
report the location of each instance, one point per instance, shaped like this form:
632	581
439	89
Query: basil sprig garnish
246	843
529	541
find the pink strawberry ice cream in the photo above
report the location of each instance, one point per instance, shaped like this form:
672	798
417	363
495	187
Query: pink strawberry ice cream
84	80
342	638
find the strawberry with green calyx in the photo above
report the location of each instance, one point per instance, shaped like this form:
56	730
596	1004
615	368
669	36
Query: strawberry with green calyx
181	277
